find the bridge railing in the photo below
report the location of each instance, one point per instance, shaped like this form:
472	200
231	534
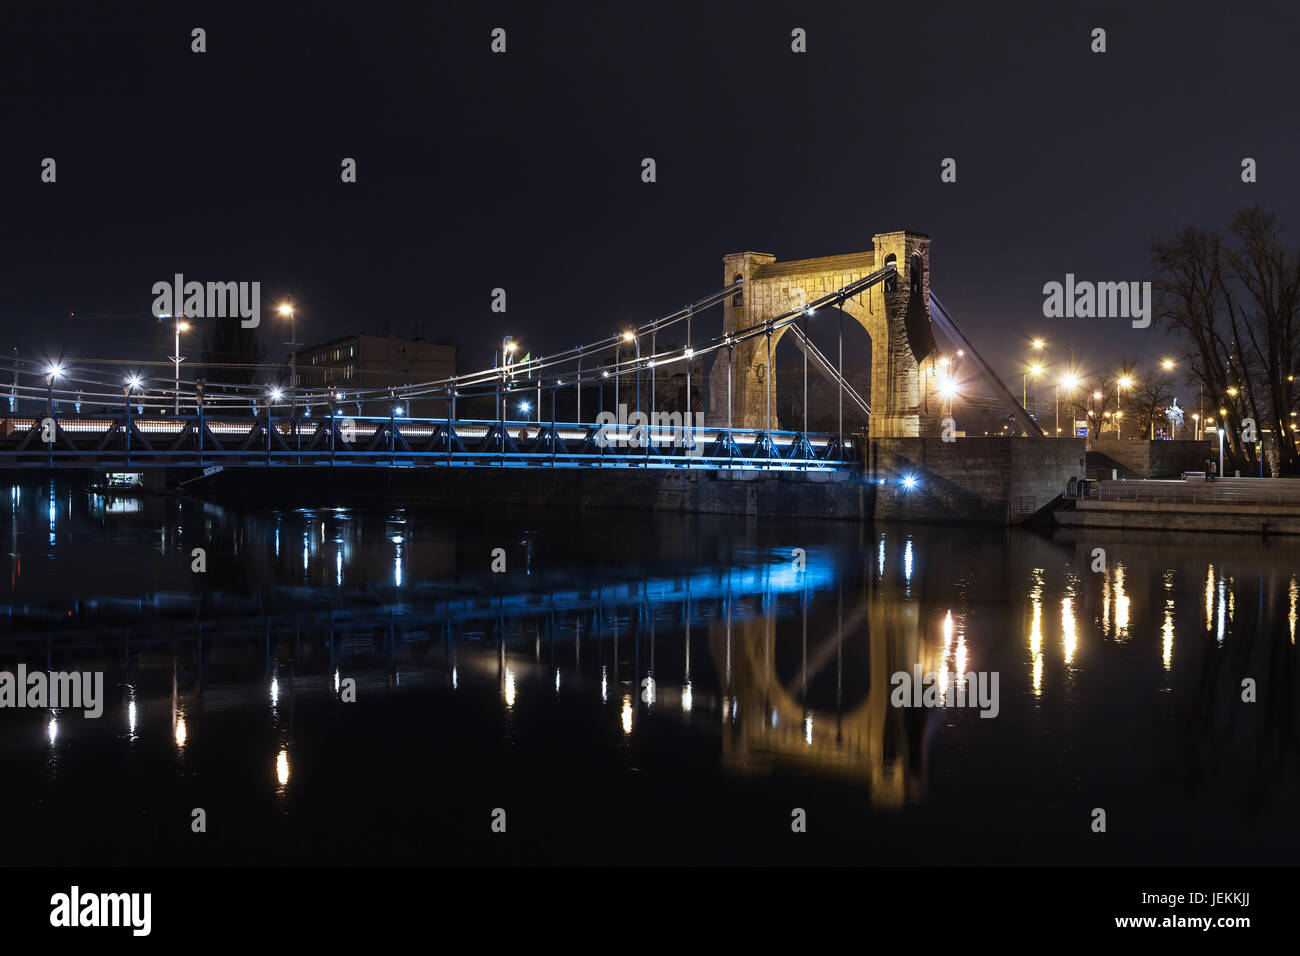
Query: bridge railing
106	441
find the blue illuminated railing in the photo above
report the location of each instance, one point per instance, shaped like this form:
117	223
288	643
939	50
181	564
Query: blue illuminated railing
197	441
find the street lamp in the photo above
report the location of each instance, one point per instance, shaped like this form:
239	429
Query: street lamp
1070	382
54	371
507	350
1123	382
181	326
132	383
630	336
286	308
948	390
1034	370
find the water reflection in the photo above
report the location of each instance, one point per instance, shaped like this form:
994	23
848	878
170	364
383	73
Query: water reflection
713	636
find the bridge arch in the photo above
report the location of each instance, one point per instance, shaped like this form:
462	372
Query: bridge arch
823	329
896	319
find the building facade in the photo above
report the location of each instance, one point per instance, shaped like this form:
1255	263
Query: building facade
366	362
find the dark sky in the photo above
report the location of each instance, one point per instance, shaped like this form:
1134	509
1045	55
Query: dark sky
523	170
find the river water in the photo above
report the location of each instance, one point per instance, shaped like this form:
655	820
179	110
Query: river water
362	685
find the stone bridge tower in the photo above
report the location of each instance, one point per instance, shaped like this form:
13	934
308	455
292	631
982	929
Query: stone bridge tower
904	398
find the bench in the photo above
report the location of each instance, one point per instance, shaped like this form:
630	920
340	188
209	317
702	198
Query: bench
1189	475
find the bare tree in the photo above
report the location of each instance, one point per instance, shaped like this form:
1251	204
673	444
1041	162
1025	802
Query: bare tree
1237	310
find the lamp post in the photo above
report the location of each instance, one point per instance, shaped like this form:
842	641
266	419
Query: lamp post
1069	382
176	359
636	340
1123	382
53	372
507	351
1034	370
1167	365
286	308
132	383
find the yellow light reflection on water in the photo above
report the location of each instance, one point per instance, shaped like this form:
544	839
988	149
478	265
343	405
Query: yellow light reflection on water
943	657
1209	598
1290	618
1167	650
510	688
1121	605
1036	632
182	734
1105	604
282	768
627	713
1069	636
1223	610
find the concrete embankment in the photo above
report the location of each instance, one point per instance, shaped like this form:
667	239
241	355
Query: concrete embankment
1154	516
840	496
1230	505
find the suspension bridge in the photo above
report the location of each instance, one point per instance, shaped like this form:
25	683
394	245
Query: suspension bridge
106	416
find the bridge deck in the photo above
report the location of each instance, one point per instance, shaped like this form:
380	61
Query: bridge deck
113	442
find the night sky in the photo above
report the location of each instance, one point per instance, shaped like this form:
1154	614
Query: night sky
522	170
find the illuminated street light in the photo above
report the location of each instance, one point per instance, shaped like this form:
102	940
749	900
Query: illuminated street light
1070	382
1167	365
286	308
1034	370
181	326
1123	382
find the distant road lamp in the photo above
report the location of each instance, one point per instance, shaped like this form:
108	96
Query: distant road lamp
286	308
948	391
507	352
632	337
132	384
1034	370
1123	382
51	373
1070	382
181	326
54	371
